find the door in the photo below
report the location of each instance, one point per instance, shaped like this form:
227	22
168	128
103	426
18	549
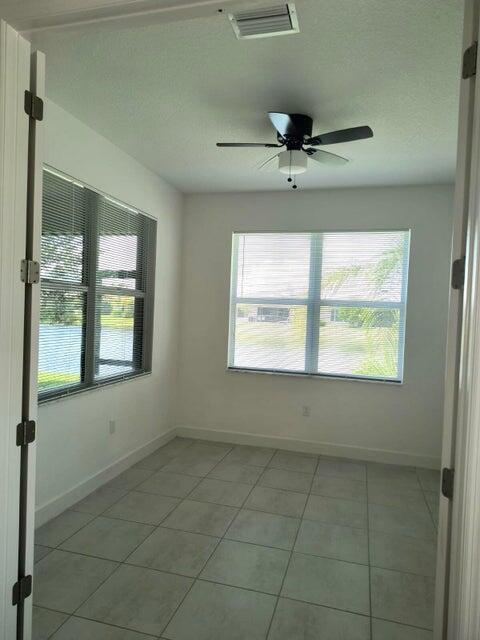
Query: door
20	221
458	560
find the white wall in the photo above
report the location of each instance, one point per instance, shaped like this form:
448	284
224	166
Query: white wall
74	443
362	419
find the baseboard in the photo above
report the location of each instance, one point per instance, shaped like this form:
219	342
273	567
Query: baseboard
57	505
309	446
49	510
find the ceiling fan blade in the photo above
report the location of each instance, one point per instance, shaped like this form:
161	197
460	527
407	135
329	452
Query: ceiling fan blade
284	124
268	165
325	157
248	144
343	135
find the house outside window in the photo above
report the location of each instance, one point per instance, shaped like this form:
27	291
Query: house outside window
326	304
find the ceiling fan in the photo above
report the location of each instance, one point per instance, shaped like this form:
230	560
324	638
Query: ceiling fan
294	132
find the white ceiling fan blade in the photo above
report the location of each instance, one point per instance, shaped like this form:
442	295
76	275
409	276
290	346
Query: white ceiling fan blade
325	157
269	164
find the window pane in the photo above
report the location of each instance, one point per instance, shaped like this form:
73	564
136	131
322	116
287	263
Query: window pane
118	334
273	265
359	341
120	246
63	229
79	347
62	316
270	337
363	266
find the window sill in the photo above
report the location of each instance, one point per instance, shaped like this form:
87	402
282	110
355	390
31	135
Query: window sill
316	376
66	394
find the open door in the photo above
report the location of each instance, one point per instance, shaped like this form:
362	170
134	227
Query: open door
21	100
457	614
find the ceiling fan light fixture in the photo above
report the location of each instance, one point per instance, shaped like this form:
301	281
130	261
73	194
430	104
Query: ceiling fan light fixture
292	162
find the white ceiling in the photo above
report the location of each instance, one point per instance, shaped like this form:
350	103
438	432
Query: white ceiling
166	93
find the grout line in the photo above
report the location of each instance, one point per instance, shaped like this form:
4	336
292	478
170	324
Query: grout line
112	624
253	544
291	552
362	615
57	547
223	537
115	570
50	635
195	578
435	525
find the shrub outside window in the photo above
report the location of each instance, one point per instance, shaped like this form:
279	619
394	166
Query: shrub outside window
326	304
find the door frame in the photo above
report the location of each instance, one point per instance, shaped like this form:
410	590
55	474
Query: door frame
32	250
21	159
14	79
457	615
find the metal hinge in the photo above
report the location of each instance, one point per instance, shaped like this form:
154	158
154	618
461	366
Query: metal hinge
29	271
26	432
458	273
33	106
447	482
469	67
21	590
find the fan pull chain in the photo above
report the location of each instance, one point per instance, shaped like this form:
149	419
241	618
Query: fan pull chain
290	179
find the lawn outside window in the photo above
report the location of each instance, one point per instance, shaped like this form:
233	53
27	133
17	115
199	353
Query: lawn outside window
97	281
323	304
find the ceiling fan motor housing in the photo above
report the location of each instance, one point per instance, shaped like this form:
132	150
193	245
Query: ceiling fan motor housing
299	129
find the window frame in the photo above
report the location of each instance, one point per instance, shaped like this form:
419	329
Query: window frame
314	303
89	286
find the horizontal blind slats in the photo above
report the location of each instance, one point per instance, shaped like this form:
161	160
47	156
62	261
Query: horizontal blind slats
121	247
329	303
74	217
62	324
63	229
121	264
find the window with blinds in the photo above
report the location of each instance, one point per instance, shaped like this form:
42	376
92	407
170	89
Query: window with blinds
327	304
97	283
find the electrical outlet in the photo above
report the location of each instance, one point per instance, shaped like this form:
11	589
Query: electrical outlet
111	426
305	411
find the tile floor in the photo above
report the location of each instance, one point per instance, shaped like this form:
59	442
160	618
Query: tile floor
209	541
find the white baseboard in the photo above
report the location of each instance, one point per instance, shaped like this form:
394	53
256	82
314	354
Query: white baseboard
54	507
309	446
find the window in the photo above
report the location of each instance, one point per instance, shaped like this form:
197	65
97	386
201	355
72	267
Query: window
97	280
329	304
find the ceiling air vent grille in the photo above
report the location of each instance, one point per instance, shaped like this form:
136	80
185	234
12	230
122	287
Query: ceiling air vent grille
265	22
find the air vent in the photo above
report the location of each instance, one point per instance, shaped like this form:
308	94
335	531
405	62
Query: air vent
265	22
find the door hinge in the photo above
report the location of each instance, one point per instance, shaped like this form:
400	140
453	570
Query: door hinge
447	482
458	273
469	67
33	106
26	432
29	271
21	590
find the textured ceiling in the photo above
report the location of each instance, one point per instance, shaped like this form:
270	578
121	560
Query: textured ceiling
166	93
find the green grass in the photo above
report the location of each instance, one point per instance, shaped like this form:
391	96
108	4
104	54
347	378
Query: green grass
362	342
48	379
115	322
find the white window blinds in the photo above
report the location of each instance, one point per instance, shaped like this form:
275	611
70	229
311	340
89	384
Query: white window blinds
320	303
97	279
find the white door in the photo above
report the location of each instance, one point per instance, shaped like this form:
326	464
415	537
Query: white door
458	561
20	223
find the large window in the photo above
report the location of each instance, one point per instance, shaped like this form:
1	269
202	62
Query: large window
97	280
330	304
